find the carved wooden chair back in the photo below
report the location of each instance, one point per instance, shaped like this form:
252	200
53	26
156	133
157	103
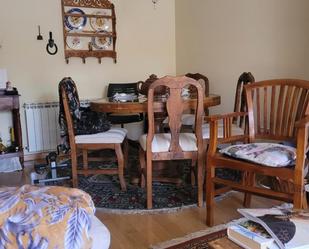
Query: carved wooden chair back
234	126
203	80
175	106
240	97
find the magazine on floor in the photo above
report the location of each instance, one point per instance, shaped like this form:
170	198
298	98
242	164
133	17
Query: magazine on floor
288	228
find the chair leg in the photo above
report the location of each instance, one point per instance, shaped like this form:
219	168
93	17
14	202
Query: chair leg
200	181
142	163
85	160
305	201
193	172
149	180
120	159
299	197
126	152
250	181
210	188
74	167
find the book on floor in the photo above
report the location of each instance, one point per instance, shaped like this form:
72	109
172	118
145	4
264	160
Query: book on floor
288	228
251	235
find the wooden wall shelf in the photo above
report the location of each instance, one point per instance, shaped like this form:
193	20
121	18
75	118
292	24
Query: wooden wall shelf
11	103
89	29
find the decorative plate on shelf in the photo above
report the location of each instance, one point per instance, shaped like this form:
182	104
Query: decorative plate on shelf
102	42
74	42
100	23
75	22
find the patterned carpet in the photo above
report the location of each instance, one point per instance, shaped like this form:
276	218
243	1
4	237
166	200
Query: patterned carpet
106	193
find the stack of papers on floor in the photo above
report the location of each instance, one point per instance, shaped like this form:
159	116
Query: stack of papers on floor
271	229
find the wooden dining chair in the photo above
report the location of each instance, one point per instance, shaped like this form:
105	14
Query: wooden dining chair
238	125
126	88
277	110
111	139
174	145
203	80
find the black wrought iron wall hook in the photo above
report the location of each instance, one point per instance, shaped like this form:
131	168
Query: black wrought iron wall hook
51	46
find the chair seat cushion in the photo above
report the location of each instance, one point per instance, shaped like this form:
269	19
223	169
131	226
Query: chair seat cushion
112	136
161	142
236	131
267	154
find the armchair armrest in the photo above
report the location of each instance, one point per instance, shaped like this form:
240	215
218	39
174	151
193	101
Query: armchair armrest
225	116
303	123
228	121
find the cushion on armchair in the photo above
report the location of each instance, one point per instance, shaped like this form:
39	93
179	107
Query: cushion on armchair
267	154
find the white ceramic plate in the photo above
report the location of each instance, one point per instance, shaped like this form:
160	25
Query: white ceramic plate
74	42
101	43
100	23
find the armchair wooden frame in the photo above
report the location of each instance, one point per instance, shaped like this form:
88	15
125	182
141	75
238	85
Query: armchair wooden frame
85	147
278	110
174	107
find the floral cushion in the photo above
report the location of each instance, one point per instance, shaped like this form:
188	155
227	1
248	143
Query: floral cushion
268	154
45	217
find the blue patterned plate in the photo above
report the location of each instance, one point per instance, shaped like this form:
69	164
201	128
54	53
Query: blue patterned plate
75	22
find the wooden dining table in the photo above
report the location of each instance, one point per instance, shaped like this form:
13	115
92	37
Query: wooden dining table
140	106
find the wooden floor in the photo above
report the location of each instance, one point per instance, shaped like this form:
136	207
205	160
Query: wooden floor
140	231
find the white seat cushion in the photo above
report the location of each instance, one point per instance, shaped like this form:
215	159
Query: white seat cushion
112	136
99	233
186	119
161	142
236	131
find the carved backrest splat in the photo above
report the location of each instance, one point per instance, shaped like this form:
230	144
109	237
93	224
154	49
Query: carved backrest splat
175	105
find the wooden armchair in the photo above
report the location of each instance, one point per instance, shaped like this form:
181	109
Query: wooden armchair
173	145
278	110
111	139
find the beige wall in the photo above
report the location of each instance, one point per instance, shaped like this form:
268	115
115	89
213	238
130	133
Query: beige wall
145	45
223	38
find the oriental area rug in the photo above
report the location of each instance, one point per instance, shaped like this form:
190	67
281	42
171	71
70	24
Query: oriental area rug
167	197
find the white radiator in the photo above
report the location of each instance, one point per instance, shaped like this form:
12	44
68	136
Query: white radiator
42	125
